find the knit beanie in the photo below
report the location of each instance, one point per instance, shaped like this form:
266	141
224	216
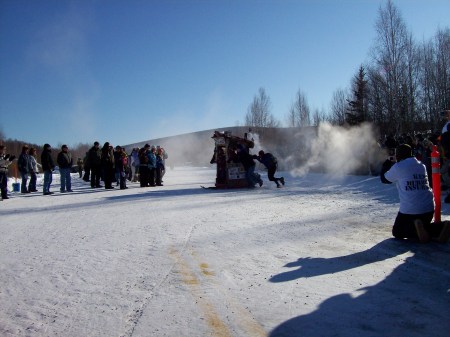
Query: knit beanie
403	151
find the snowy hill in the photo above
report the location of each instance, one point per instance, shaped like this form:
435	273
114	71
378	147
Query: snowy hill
302	149
314	258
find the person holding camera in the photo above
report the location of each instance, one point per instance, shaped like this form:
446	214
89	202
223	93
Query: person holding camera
416	211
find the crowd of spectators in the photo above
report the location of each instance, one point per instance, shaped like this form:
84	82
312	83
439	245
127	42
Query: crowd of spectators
108	164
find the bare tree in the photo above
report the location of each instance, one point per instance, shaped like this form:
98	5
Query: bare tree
299	114
434	78
319	116
390	57
258	114
443	67
338	107
2	135
291	118
377	99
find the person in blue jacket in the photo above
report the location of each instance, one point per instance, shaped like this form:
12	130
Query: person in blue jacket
152	166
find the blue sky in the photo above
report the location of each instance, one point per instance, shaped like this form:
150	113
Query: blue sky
127	71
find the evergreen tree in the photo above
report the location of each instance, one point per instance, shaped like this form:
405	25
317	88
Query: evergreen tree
358	107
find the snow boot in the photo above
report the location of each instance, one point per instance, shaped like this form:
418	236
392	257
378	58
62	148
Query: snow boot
447	199
421	232
445	232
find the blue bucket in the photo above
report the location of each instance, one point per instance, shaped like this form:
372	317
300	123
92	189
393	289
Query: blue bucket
16	187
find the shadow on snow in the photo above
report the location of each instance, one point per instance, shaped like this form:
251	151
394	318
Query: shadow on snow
412	301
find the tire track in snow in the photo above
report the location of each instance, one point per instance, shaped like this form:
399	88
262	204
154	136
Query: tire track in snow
136	314
207	290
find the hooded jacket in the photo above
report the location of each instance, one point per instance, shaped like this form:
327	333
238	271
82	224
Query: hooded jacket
46	159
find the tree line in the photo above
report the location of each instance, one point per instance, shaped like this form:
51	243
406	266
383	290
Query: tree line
402	89
14	147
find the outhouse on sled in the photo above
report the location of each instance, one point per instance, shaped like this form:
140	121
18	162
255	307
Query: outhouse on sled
230	174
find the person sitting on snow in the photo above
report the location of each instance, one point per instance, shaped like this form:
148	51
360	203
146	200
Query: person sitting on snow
413	220
271	163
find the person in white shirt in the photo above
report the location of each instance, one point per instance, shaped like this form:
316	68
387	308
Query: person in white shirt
413	220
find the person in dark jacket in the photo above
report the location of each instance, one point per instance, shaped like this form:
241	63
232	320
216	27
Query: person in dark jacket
94	158
80	167
271	163
151	155
160	168
5	161
24	166
246	159
121	163
143	166
164	155
108	165
48	167
65	163
87	168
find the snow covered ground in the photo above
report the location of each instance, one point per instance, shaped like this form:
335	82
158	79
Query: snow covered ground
314	258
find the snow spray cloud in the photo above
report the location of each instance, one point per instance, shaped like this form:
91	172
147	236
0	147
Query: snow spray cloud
338	151
253	136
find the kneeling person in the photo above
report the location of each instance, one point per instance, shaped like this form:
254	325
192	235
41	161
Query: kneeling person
416	199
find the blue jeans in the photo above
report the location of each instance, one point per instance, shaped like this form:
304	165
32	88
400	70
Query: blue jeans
66	180
23	188
251	177
32	184
48	177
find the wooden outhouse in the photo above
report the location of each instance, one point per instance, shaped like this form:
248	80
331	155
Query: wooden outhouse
230	174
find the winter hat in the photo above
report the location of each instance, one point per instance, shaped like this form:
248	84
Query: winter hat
47	146
403	151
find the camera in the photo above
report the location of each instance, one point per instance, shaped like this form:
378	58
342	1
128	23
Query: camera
391	155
